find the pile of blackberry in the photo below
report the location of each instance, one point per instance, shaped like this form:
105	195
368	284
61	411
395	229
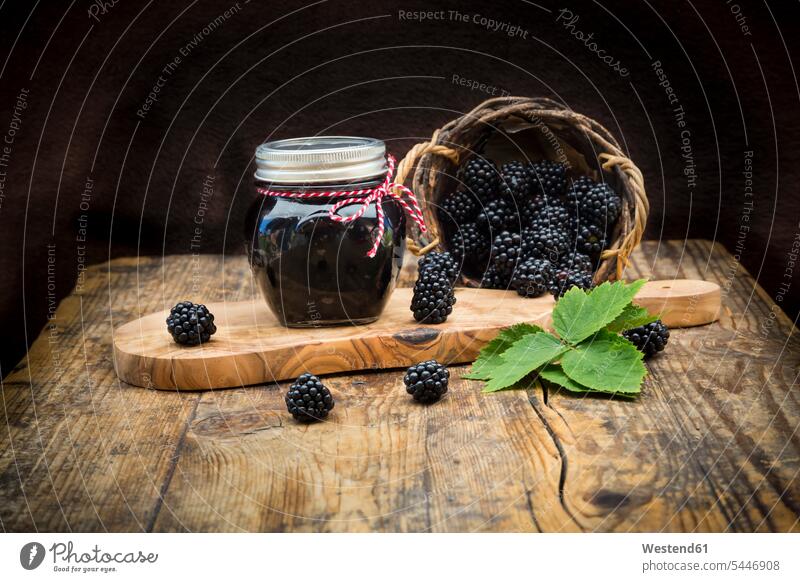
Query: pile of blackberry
528	225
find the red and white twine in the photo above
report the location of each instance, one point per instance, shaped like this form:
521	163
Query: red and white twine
364	197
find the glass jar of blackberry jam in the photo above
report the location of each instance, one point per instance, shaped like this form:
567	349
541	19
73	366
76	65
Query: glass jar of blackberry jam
325	240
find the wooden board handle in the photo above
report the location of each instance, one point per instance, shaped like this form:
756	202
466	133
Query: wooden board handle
682	302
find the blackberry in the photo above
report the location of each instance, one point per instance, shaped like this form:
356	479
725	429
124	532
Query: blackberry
549	178
593	203
470	244
575	261
516	181
544	212
650	338
494	279
532	277
506	250
427	381
308	400
442	262
460	207
550	242
498	215
190	324
433	297
566	280
481	178
590	239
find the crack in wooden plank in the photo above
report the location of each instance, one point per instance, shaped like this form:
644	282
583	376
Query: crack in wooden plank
173	464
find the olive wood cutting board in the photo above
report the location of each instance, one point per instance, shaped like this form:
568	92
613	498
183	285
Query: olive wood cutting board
250	347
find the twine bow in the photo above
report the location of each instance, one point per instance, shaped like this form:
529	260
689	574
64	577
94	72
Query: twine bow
364	197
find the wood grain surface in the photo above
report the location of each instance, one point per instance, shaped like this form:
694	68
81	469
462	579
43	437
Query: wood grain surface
711	445
251	347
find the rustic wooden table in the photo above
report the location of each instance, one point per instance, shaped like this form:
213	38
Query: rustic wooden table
712	444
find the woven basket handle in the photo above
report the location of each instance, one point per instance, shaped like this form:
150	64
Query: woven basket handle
624	249
404	170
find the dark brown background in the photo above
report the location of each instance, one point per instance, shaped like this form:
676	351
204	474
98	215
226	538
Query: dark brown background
289	68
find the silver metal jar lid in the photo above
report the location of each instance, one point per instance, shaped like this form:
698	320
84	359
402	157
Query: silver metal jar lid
309	160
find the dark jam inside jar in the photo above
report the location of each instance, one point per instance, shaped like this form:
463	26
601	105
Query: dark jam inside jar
314	271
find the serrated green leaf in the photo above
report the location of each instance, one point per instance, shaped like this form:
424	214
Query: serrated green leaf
606	362
527	354
489	358
632	316
554	373
579	314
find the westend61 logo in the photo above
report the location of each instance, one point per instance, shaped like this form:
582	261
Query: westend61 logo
67	559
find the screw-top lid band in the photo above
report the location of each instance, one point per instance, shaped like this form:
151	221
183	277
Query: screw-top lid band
313	160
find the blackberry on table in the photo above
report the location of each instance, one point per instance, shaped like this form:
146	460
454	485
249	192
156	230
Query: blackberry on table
532	277
308	399
433	297
506	251
498	215
516	181
427	381
550	242
190	324
549	178
442	262
594	203
650	338
481	178
590	239
566	280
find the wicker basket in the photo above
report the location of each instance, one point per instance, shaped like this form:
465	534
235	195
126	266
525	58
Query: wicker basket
538	128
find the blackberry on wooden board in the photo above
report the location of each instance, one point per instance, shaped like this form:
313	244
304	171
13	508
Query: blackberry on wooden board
480	177
566	280
427	381
190	324
433	297
549	178
308	399
532	277
443	262
650	338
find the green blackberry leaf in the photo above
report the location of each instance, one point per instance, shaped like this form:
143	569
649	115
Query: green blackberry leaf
632	316
579	314
489	358
554	374
606	362
527	354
